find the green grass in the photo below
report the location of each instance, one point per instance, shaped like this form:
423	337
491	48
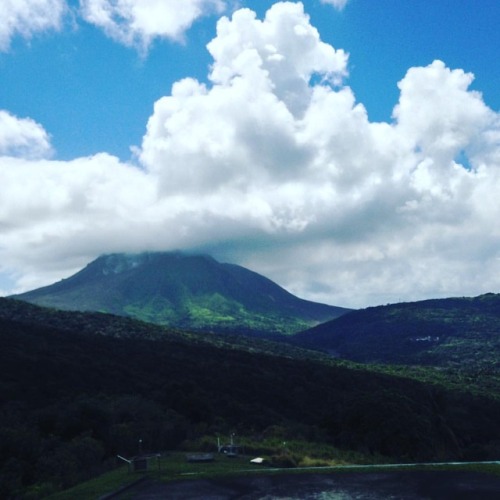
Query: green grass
99	486
174	466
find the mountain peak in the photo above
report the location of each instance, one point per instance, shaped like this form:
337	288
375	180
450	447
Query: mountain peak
185	291
116	263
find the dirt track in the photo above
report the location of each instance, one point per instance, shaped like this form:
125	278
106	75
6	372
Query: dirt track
342	486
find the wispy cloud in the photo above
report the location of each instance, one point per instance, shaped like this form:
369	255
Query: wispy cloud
135	23
138	22
338	4
26	18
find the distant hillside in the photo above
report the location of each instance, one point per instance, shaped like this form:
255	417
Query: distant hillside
460	332
184	291
79	388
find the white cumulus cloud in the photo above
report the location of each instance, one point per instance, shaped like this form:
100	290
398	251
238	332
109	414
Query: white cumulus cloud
22	137
139	22
54	215
28	17
242	131
278	148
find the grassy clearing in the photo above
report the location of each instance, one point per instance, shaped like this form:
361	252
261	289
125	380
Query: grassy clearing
99	486
174	466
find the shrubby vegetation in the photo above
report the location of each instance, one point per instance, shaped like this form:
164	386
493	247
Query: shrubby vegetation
76	389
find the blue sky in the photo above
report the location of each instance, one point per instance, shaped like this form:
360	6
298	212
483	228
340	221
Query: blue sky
93	94
78	91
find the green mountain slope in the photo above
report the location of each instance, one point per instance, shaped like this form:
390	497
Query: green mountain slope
71	399
456	332
191	292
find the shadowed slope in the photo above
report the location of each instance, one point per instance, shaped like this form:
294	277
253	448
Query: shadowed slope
463	332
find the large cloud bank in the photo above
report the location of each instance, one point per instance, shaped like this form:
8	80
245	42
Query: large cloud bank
275	165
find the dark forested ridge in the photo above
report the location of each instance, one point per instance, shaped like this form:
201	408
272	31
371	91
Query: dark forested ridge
455	332
78	388
186	291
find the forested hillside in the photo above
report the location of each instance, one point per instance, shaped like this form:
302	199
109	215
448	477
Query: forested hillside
73	396
457	332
